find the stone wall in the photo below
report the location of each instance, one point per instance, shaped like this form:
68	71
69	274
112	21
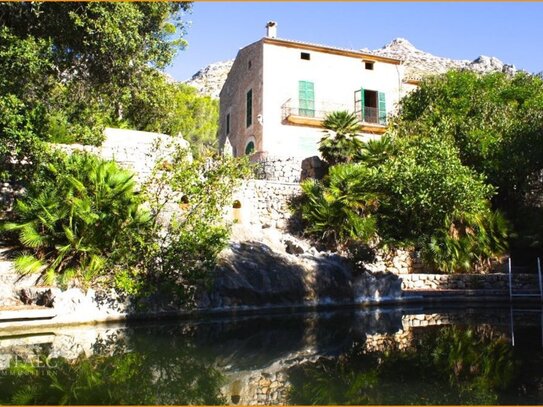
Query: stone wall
498	281
265	203
135	150
8	193
281	169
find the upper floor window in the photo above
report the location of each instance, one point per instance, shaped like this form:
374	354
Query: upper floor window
228	123
306	98
249	108
305	55
249	64
370	106
369	65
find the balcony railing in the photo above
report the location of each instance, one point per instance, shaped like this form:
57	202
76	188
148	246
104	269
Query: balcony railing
319	110
314	110
370	115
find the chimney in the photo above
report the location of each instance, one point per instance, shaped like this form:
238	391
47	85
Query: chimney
271	29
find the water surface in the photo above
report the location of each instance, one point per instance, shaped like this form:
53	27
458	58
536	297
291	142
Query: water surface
378	356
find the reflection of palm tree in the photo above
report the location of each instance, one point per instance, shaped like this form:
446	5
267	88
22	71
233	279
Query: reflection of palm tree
334	383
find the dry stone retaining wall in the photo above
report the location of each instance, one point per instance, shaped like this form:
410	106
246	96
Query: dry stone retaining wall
265	203
468	281
282	169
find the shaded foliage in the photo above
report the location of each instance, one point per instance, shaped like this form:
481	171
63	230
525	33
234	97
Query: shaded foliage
496	123
411	192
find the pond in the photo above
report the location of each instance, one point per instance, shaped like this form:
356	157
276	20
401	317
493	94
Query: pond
479	355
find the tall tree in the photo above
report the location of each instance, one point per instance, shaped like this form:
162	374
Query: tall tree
69	69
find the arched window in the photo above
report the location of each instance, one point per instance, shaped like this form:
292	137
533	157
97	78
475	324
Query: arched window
250	148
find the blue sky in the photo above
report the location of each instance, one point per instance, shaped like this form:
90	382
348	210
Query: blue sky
510	31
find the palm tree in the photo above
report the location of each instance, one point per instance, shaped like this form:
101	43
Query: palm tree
376	152
340	142
71	224
343	210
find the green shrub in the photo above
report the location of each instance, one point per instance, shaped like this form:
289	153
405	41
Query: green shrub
74	216
411	192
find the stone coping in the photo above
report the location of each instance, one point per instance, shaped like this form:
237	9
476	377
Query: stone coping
25	312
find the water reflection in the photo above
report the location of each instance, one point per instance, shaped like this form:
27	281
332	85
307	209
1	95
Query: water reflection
390	356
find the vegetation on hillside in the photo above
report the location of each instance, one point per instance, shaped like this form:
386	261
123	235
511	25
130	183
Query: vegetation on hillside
457	177
411	193
495	121
67	70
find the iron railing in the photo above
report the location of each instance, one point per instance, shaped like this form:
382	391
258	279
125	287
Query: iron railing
317	110
371	115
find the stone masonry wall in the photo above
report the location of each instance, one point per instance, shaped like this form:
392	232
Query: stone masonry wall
265	203
498	281
288	169
282	169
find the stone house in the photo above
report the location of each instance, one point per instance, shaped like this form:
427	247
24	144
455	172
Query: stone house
278	92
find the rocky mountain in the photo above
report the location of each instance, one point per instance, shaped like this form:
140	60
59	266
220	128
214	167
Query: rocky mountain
209	80
420	63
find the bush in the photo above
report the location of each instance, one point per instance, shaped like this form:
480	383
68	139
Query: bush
495	122
74	216
410	192
187	244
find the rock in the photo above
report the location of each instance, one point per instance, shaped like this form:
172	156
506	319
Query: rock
292	248
209	80
25	298
420	63
252	274
45	299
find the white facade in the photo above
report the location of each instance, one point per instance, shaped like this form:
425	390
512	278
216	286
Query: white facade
285	72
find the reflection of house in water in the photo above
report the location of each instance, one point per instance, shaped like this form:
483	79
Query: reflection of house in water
278	92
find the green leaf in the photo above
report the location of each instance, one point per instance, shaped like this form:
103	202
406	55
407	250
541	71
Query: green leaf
28	264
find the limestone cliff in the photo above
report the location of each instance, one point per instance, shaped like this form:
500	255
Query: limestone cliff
209	80
420	63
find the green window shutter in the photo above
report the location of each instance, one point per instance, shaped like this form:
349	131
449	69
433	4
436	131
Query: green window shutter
249	108
306	97
382	108
362	105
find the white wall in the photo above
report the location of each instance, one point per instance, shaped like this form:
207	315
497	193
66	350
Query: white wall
335	79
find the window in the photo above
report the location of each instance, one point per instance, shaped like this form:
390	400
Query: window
305	55
370	106
228	124
249	108
368	65
249	64
249	148
306	95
